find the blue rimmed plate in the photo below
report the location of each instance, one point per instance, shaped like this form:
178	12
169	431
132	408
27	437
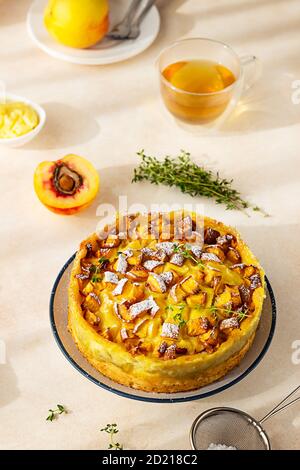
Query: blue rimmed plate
59	320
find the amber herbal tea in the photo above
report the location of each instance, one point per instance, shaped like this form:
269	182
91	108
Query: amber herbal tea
196	91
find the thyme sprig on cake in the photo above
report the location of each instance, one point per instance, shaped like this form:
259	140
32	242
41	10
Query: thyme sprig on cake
183	249
179	319
191	179
227	311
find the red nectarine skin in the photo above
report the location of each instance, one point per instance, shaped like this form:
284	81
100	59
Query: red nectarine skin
71	211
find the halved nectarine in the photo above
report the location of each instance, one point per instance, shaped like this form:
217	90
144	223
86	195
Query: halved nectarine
66	186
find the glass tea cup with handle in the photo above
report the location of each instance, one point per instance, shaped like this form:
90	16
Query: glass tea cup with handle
202	80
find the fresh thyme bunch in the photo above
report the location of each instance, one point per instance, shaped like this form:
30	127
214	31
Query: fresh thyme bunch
191	179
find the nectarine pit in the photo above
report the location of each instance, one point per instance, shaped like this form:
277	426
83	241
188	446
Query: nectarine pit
66	181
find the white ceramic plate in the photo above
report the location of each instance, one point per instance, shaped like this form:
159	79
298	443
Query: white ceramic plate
24	139
107	51
59	320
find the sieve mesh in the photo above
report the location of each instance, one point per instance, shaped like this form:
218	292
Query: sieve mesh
229	427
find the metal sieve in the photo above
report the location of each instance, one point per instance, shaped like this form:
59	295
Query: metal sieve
232	427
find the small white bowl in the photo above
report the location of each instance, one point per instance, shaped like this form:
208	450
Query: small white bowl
24	139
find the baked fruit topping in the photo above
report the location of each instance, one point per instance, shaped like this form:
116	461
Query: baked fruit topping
165	314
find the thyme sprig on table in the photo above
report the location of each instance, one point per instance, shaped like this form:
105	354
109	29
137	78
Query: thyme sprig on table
53	414
190	178
112	430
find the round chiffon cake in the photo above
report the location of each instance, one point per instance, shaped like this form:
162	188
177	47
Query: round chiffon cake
165	302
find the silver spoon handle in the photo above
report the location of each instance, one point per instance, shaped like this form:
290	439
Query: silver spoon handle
143	13
279	408
131	12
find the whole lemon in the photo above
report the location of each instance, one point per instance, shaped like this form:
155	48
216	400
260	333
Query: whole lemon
77	23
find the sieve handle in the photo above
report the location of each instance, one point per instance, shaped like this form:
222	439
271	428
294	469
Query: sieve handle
279	408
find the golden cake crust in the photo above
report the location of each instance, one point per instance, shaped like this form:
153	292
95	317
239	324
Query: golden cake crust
197	359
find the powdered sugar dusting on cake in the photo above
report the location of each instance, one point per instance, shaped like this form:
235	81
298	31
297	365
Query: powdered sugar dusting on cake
111	277
170	330
167	247
210	257
170	352
124	334
167	277
120	286
229	323
161	282
160	254
213	446
144	306
177	259
195	249
148	251
151	264
121	264
128	253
